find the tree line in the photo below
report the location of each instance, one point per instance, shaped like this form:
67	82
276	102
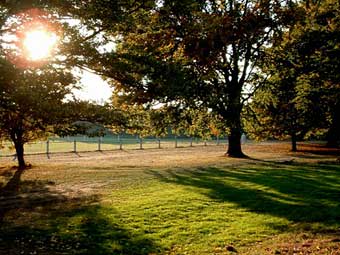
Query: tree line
267	68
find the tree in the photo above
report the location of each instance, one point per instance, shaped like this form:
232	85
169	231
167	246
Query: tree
31	103
193	53
195	122
36	104
283	109
32	93
88	118
302	96
165	120
320	39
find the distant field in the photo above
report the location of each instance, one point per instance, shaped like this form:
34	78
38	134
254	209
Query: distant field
175	201
83	144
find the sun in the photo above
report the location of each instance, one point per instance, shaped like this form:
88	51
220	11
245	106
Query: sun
39	44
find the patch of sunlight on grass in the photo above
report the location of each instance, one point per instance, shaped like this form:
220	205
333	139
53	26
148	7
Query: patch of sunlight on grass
186	218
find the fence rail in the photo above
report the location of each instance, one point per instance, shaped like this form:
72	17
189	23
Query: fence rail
87	144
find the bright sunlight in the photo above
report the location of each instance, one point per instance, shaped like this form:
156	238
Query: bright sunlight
39	43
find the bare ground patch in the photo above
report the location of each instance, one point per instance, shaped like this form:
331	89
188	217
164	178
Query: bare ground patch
304	244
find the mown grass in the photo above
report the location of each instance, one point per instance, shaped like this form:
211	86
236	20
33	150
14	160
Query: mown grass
209	209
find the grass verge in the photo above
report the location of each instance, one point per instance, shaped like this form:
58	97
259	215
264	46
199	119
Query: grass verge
207	207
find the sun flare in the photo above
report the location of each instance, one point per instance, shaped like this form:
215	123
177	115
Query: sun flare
39	44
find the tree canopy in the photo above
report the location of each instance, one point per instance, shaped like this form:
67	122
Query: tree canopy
301	98
192	53
31	103
197	62
32	93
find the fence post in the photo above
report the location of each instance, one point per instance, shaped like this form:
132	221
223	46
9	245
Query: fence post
75	146
190	141
175	141
99	144
243	138
48	148
120	143
159	143
141	143
217	140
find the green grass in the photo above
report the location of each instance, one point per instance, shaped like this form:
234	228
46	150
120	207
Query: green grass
189	210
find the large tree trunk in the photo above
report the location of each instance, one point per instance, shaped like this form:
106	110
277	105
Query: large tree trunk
333	134
19	148
233	116
234	138
333	137
294	142
17	138
234	144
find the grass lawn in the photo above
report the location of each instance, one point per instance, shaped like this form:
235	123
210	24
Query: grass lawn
183	201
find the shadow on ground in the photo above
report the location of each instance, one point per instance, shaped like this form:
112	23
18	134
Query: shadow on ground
16	194
318	149
301	193
36	219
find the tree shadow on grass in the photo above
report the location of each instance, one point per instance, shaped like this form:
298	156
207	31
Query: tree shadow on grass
88	229
16	194
41	220
300	193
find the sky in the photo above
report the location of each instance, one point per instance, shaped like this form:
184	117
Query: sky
35	42
94	88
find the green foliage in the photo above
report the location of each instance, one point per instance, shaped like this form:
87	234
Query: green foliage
83	117
32	93
31	103
191	53
301	97
31	100
171	120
